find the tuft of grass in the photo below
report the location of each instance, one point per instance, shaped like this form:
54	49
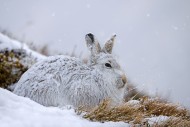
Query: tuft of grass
11	68
136	113
124	113
158	107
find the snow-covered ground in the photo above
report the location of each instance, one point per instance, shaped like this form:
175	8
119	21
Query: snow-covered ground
7	43
16	111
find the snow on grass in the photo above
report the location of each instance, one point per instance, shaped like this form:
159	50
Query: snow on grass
157	119
16	111
7	43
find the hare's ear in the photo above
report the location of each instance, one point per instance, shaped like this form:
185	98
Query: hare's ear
109	45
92	44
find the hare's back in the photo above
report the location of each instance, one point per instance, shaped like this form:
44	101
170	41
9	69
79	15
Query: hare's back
52	65
44	71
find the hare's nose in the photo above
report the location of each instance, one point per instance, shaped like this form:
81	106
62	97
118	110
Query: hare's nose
124	79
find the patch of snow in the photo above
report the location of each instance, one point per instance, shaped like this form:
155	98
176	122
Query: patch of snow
134	103
157	119
7	43
147	15
53	14
175	27
88	5
16	111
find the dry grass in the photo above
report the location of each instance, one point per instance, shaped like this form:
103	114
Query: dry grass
11	69
121	113
136	113
158	107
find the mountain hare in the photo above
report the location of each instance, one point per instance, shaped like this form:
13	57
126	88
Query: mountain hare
63	80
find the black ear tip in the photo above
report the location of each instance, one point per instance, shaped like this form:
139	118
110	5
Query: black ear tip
91	36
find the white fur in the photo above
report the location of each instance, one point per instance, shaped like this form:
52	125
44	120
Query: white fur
63	80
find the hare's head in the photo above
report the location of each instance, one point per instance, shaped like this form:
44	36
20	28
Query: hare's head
103	60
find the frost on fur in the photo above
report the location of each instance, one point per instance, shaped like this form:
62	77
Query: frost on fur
63	80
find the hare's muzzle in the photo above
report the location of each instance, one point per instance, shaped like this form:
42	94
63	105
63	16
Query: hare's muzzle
124	79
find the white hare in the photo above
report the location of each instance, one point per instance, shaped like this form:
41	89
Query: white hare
63	80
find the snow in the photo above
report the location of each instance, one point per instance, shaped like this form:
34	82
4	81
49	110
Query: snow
175	28
6	42
157	119
16	111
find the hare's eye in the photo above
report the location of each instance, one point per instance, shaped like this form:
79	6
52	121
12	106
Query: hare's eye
108	65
